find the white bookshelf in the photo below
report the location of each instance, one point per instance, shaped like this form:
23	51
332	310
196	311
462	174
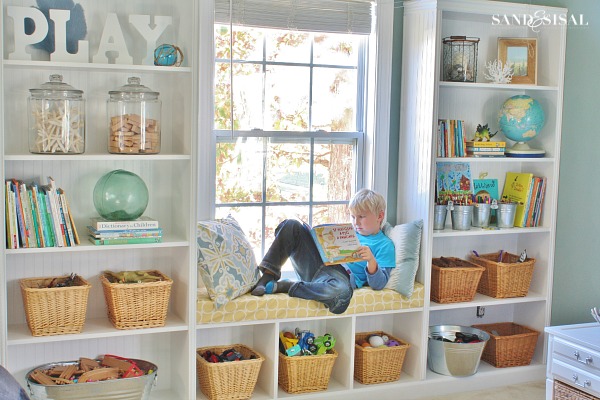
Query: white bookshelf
171	178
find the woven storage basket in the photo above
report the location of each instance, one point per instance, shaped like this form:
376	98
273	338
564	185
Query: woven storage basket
137	305
507	278
57	310
454	280
378	364
304	374
510	344
228	380
562	391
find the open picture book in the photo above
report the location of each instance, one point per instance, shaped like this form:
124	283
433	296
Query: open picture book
337	243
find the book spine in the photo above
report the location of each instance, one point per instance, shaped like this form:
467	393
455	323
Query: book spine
72	221
125	233
124	225
19	212
55	212
47	222
27	216
65	212
37	227
11	218
103	242
486	144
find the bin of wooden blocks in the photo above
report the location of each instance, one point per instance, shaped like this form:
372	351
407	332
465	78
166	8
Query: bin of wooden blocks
378	364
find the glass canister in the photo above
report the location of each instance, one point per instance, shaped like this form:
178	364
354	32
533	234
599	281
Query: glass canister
56	118
134	119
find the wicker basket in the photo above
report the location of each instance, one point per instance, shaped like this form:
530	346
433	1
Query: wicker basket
562	391
510	344
228	380
454	280
304	374
507	278
137	305
379	364
57	310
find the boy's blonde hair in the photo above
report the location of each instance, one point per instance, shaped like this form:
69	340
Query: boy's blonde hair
367	200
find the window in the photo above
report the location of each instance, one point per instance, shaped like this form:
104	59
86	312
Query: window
290	111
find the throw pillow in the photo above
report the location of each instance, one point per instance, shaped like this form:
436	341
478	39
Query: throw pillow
407	240
226	262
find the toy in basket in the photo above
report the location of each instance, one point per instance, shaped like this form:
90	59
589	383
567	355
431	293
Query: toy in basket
108	377
454	280
380	363
136	299
228	372
510	344
505	274
55	305
305	361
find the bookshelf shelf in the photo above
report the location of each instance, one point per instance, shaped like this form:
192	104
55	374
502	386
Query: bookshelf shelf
87	157
66	66
427	99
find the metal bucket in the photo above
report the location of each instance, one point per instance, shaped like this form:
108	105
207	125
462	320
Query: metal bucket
461	217
506	215
481	215
454	359
439	217
136	388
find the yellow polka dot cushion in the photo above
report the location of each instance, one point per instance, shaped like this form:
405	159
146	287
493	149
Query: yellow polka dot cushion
282	306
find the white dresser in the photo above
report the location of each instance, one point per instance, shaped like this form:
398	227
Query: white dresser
574	359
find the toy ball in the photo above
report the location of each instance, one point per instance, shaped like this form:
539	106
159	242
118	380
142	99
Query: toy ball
392	343
385	338
120	196
376	341
365	344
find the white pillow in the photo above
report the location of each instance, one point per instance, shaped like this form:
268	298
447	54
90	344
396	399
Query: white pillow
407	240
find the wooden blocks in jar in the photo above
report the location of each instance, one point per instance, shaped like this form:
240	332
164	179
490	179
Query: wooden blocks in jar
130	133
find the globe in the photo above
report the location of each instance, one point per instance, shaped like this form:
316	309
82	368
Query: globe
120	196
521	119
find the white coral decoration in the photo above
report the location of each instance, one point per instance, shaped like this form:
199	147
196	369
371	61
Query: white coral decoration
498	73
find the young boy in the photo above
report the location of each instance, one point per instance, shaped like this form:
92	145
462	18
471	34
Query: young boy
332	285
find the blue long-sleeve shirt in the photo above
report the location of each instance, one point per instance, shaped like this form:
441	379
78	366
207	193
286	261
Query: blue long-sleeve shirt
383	250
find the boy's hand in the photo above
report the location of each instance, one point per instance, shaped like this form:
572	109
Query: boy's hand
366	254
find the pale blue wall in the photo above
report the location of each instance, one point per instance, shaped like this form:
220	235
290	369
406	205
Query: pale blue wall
577	259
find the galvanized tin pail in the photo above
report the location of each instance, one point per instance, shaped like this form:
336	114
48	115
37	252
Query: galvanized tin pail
454	359
481	215
439	217
506	215
136	388
461	217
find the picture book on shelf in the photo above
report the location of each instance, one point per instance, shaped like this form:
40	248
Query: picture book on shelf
336	243
453	182
485	190
518	188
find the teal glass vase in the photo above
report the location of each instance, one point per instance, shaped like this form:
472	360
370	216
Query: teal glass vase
120	195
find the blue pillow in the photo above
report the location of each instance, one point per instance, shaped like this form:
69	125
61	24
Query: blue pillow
407	240
226	262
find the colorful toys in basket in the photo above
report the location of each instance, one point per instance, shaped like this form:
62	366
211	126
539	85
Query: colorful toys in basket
377	341
226	356
304	342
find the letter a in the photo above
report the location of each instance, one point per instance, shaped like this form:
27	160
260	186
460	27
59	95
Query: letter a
112	41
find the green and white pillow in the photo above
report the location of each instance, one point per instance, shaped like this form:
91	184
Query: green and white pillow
407	240
226	262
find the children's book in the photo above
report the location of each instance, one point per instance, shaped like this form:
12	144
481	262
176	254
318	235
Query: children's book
337	243
517	189
485	190
453	182
143	222
133	240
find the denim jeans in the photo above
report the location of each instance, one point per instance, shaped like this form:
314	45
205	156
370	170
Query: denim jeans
330	285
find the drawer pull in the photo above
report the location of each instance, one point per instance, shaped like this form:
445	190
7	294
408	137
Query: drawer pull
584	384
588	359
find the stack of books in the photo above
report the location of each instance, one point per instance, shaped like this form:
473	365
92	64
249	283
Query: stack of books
138	231
38	216
485	149
528	191
451	138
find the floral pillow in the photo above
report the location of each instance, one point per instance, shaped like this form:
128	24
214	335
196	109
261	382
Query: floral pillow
407	240
226	262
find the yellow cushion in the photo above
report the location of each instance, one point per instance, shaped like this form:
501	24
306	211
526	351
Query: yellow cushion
282	306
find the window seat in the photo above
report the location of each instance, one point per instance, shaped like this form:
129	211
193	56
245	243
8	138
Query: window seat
281	306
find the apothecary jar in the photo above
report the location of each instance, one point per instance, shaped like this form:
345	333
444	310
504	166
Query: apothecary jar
56	118
134	119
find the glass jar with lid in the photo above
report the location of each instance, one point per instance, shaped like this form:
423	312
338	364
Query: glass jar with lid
56	118
134	119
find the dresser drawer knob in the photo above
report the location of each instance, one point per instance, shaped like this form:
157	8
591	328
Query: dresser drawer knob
583	384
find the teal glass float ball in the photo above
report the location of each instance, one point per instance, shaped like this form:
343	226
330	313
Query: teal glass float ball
120	196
